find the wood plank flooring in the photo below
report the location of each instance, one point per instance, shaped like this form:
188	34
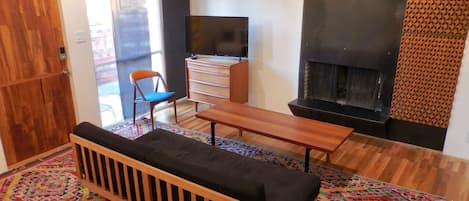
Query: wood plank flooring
397	163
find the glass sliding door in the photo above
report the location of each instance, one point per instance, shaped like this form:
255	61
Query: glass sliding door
126	36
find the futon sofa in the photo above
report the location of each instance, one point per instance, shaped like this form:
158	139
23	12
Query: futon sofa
161	165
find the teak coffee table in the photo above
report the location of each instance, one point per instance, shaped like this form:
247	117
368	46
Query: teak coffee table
309	133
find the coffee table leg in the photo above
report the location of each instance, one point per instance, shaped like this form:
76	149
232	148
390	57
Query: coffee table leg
212	128
307	159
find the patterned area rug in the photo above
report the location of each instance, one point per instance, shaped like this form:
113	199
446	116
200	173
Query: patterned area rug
52	178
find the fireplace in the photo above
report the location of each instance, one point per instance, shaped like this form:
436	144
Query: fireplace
343	85
349	52
344	94
349	60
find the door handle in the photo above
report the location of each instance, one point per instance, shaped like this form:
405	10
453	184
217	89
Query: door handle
66	72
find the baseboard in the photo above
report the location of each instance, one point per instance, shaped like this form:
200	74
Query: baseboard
36	157
362	120
416	134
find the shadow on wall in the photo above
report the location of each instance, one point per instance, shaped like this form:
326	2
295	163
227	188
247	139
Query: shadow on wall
257	57
272	84
269	86
266	71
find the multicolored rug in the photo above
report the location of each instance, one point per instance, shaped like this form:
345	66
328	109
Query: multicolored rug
52	178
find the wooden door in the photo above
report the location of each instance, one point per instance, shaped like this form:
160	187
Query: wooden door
35	96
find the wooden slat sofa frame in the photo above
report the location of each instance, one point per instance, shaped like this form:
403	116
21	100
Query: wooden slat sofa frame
92	163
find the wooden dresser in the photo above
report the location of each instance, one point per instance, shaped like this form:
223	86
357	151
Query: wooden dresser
214	81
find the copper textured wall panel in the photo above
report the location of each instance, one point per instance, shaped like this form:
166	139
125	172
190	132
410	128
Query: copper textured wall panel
432	46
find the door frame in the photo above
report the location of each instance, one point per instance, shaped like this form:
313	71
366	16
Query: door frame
80	60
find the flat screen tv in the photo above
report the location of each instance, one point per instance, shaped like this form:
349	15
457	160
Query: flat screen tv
221	36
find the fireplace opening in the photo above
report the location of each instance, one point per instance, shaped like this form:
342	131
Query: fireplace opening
344	85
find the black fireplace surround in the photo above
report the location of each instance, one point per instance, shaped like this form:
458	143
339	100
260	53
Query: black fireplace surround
348	61
349	54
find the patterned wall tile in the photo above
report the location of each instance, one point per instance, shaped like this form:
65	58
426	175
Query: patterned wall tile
432	46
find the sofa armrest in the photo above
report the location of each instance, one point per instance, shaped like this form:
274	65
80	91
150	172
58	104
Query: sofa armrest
115	142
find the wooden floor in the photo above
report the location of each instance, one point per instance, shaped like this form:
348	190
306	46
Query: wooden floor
398	163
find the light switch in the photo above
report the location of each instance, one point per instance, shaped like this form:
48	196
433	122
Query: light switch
80	37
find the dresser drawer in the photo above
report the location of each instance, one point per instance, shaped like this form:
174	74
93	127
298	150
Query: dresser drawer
210	69
211	80
199	97
222	81
221	92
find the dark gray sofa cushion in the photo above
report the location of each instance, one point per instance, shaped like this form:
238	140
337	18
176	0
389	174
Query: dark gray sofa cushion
239	188
134	149
280	184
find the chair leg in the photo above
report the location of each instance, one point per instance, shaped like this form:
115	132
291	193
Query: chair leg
175	112
134	111
151	117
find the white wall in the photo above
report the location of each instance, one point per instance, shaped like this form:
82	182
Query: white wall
274	46
457	137
80	57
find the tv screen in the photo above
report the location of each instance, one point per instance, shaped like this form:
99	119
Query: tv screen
221	36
